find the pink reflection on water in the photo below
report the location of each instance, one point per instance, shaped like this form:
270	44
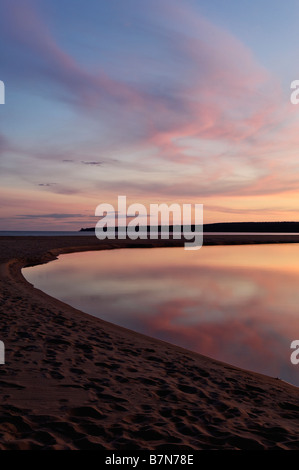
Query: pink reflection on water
238	304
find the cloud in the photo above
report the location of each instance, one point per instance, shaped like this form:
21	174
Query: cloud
222	100
253	211
213	97
41	62
92	163
178	188
199	118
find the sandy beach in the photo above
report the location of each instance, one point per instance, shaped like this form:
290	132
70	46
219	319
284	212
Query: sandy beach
73	381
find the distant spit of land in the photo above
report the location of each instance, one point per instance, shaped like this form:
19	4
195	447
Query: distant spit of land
247	227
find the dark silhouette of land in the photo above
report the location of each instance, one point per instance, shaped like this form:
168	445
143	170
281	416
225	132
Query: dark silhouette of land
266	227
262	227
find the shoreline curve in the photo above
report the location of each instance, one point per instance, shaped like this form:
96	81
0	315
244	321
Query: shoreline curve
73	381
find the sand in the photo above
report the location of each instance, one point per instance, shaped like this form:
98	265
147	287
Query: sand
72	381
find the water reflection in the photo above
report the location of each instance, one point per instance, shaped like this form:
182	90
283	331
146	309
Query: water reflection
238	304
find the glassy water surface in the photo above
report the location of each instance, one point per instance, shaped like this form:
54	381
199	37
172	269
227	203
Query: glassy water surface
238	304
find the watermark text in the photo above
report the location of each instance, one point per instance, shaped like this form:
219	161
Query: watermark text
113	223
2	353
295	354
2	92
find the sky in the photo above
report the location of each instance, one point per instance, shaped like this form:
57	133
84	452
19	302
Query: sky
163	101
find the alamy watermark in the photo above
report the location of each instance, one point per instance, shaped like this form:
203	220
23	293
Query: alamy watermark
294	98
2	92
295	354
113	223
2	353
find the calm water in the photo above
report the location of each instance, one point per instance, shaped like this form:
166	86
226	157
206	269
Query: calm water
238	304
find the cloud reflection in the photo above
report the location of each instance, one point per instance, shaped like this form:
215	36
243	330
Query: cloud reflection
240	310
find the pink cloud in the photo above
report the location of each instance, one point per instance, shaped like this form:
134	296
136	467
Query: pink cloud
223	96
45	58
217	98
251	333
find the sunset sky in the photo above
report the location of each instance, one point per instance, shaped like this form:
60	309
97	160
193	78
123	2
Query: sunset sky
159	100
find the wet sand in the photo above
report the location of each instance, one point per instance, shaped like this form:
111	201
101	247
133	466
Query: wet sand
73	381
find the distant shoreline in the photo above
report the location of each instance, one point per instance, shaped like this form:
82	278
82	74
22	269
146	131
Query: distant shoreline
278	227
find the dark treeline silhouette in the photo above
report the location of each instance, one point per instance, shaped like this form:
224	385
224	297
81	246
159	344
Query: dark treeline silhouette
274	227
